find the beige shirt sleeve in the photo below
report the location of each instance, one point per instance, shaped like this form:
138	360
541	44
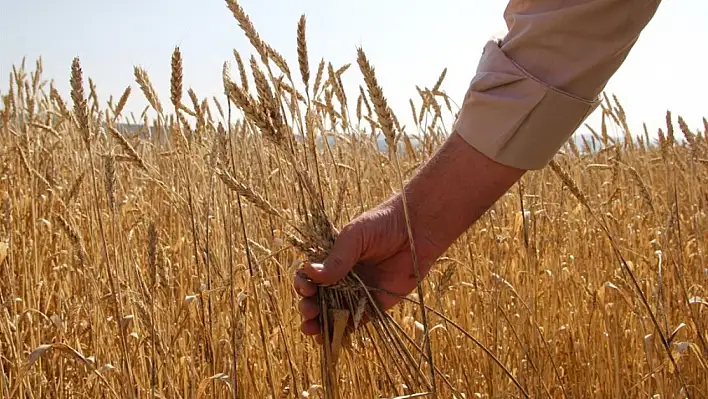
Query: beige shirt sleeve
535	87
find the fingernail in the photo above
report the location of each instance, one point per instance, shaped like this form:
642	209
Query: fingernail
318	267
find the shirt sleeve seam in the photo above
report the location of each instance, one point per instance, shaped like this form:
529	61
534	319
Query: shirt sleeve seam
544	84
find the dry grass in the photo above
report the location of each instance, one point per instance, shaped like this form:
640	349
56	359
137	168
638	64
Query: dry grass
159	264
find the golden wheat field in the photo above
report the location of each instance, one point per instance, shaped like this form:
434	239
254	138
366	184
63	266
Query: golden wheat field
155	257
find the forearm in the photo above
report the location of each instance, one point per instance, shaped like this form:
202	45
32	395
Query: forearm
454	188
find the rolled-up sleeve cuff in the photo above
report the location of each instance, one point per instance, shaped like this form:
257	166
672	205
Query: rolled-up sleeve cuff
513	117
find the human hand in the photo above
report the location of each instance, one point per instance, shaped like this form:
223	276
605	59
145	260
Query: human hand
376	246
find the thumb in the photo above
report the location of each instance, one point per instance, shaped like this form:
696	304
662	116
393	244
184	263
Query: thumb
342	258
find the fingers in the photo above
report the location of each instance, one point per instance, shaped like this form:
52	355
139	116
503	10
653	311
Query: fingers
303	286
310	327
308	308
342	258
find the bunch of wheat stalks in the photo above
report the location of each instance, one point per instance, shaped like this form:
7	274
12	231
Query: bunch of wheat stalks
343	305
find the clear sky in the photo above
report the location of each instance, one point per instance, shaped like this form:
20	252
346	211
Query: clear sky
409	42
